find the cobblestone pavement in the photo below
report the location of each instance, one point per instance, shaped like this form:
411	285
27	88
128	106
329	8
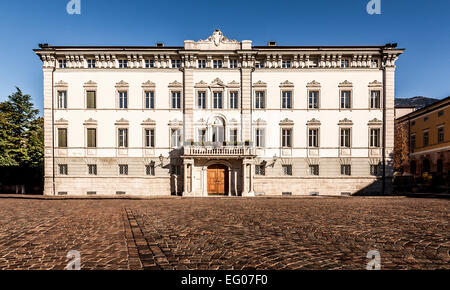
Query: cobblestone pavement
225	233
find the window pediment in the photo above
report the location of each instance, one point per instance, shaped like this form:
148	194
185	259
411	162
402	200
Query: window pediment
286	84
90	85
260	84
260	122
201	84
286	122
345	83
233	84
175	84
90	121
175	123
313	122
148	85
122	121
62	122
375	121
313	84
149	122
217	83
122	84
61	84
345	121
375	83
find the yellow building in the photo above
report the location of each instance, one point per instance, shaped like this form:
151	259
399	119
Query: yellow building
429	139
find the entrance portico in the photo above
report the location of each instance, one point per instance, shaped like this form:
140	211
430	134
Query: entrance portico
226	170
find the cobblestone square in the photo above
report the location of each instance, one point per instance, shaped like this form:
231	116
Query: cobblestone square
225	233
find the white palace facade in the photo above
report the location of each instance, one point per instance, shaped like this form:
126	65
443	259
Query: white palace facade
218	117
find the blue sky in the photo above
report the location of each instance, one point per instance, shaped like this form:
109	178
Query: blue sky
422	27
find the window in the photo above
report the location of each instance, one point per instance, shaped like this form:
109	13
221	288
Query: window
346	169
91	100
217	63
425	138
313	140
374	170
233	136
375	137
202	136
285	63
62	99
286	100
259	64
91	137
176	63
313	100
314	169
217	100
123	100
62	63
150	100
440	113
286	137
345	138
374	63
92	169
286	169
149	63
345	99
413	123
123	63
201	103
175	138
425	119
260	137
345	63
260	169
233	100
123	169
150	138
440	134
123	138
63	169
176	100
233	63
259	100
91	63
62	137
202	63
375	99
150	169
413	142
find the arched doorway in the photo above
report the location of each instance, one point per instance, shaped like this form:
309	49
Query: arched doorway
217	179
426	166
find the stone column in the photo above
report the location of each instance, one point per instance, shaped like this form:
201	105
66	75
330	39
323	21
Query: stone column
244	179
229	181
188	101
48	130
389	91
246	103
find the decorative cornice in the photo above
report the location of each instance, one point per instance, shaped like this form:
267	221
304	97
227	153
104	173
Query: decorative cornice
175	83
345	121
217	38
122	84
286	121
286	83
61	84
149	122
90	121
260	84
345	83
62	122
313	122
201	84
122	121
90	84
217	83
175	123
375	83
313	84
233	84
148	84
375	121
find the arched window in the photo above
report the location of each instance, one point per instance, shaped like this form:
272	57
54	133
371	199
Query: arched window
218	130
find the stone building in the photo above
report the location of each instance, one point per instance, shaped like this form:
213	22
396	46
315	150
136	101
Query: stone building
218	116
423	140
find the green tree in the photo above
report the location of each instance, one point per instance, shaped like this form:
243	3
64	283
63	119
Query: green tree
21	132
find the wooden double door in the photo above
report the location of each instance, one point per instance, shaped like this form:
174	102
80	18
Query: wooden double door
217	180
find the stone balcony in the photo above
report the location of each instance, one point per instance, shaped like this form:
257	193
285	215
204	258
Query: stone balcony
219	151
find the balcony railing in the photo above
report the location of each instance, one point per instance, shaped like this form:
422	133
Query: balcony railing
219	150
